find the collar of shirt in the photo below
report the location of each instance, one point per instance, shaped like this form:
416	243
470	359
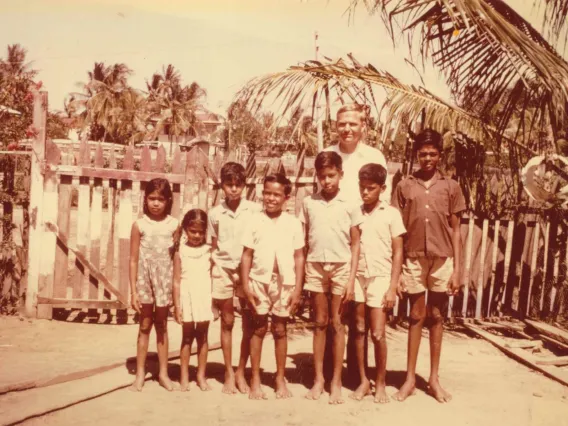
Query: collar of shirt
339	198
243	206
437	176
381	205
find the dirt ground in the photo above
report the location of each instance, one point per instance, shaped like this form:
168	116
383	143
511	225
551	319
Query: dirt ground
487	386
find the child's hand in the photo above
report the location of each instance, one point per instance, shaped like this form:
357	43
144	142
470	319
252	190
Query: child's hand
215	310
252	298
135	302
177	315
454	284
389	299
349	292
294	301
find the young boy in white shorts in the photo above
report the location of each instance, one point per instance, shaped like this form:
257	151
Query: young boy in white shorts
380	265
226	224
331	220
272	273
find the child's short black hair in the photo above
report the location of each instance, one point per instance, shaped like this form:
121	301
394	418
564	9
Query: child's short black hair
328	159
194	216
233	172
373	172
282	180
428	137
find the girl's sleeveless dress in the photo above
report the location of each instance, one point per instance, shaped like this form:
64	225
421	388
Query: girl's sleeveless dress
195	285
154	282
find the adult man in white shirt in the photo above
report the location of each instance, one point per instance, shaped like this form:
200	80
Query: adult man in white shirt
351	128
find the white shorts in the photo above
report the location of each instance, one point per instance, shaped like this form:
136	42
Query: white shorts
371	290
225	283
326	277
273	297
425	273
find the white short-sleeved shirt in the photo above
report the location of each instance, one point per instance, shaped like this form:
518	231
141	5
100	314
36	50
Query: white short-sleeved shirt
353	162
378	229
228	226
329	225
273	241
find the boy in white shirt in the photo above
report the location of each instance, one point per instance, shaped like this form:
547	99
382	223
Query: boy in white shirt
331	221
226	224
380	265
272	273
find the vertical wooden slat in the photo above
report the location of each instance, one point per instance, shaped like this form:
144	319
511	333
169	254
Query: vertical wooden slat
124	226
556	270
467	265
176	169
545	266
36	202
524	261
217	165
83	231
63	223
190	185
48	242
480	278
493	265
534	258
160	163
96	290
203	180
250	170
299	188
507	261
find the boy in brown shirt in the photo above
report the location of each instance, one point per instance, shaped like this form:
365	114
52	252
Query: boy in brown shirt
430	205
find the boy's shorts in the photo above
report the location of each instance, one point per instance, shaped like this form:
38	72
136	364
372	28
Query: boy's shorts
225	283
427	273
323	277
371	290
273	297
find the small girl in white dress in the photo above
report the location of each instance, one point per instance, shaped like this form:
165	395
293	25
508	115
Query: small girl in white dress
192	294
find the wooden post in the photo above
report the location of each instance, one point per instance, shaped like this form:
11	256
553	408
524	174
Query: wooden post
467	266
534	258
480	280
493	265
124	226
96	289
36	202
50	203
507	262
83	209
545	266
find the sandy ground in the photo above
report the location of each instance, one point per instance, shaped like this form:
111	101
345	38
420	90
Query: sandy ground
488	387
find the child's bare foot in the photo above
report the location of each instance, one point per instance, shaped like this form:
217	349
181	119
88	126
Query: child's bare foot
436	390
256	391
166	383
381	395
335	394
406	390
282	391
229	385
316	391
184	385
362	391
203	385
138	384
241	382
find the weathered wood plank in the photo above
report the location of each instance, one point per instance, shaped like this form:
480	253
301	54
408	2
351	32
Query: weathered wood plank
191	185
480	278
467	265
83	240
558	361
534	258
124	226
79	303
549	330
554	342
494	254
507	262
545	266
96	225
61	252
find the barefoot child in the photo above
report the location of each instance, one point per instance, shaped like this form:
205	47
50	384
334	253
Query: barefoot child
272	270
151	252
226	224
378	274
430	205
192	295
331	222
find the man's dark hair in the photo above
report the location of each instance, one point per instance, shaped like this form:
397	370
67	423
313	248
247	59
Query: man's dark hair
428	137
373	172
282	180
328	159
233	172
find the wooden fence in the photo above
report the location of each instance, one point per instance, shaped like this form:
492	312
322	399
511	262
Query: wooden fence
79	256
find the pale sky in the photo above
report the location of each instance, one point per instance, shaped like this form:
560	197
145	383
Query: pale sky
220	44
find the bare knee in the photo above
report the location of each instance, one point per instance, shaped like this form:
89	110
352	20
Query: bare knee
227	321
417	314
146	326
377	335
279	330
321	322
161	326
337	325
359	326
260	326
435	317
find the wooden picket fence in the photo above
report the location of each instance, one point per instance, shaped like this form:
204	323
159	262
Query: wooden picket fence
79	256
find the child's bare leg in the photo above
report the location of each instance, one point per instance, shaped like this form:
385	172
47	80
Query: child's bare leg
321	311
146	322
201	334
358	322
378	323
240	378
280	350
338	350
260	324
227	323
161	325
188	332
437	307
417	316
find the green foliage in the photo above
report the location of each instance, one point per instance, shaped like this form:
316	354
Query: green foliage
245	129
